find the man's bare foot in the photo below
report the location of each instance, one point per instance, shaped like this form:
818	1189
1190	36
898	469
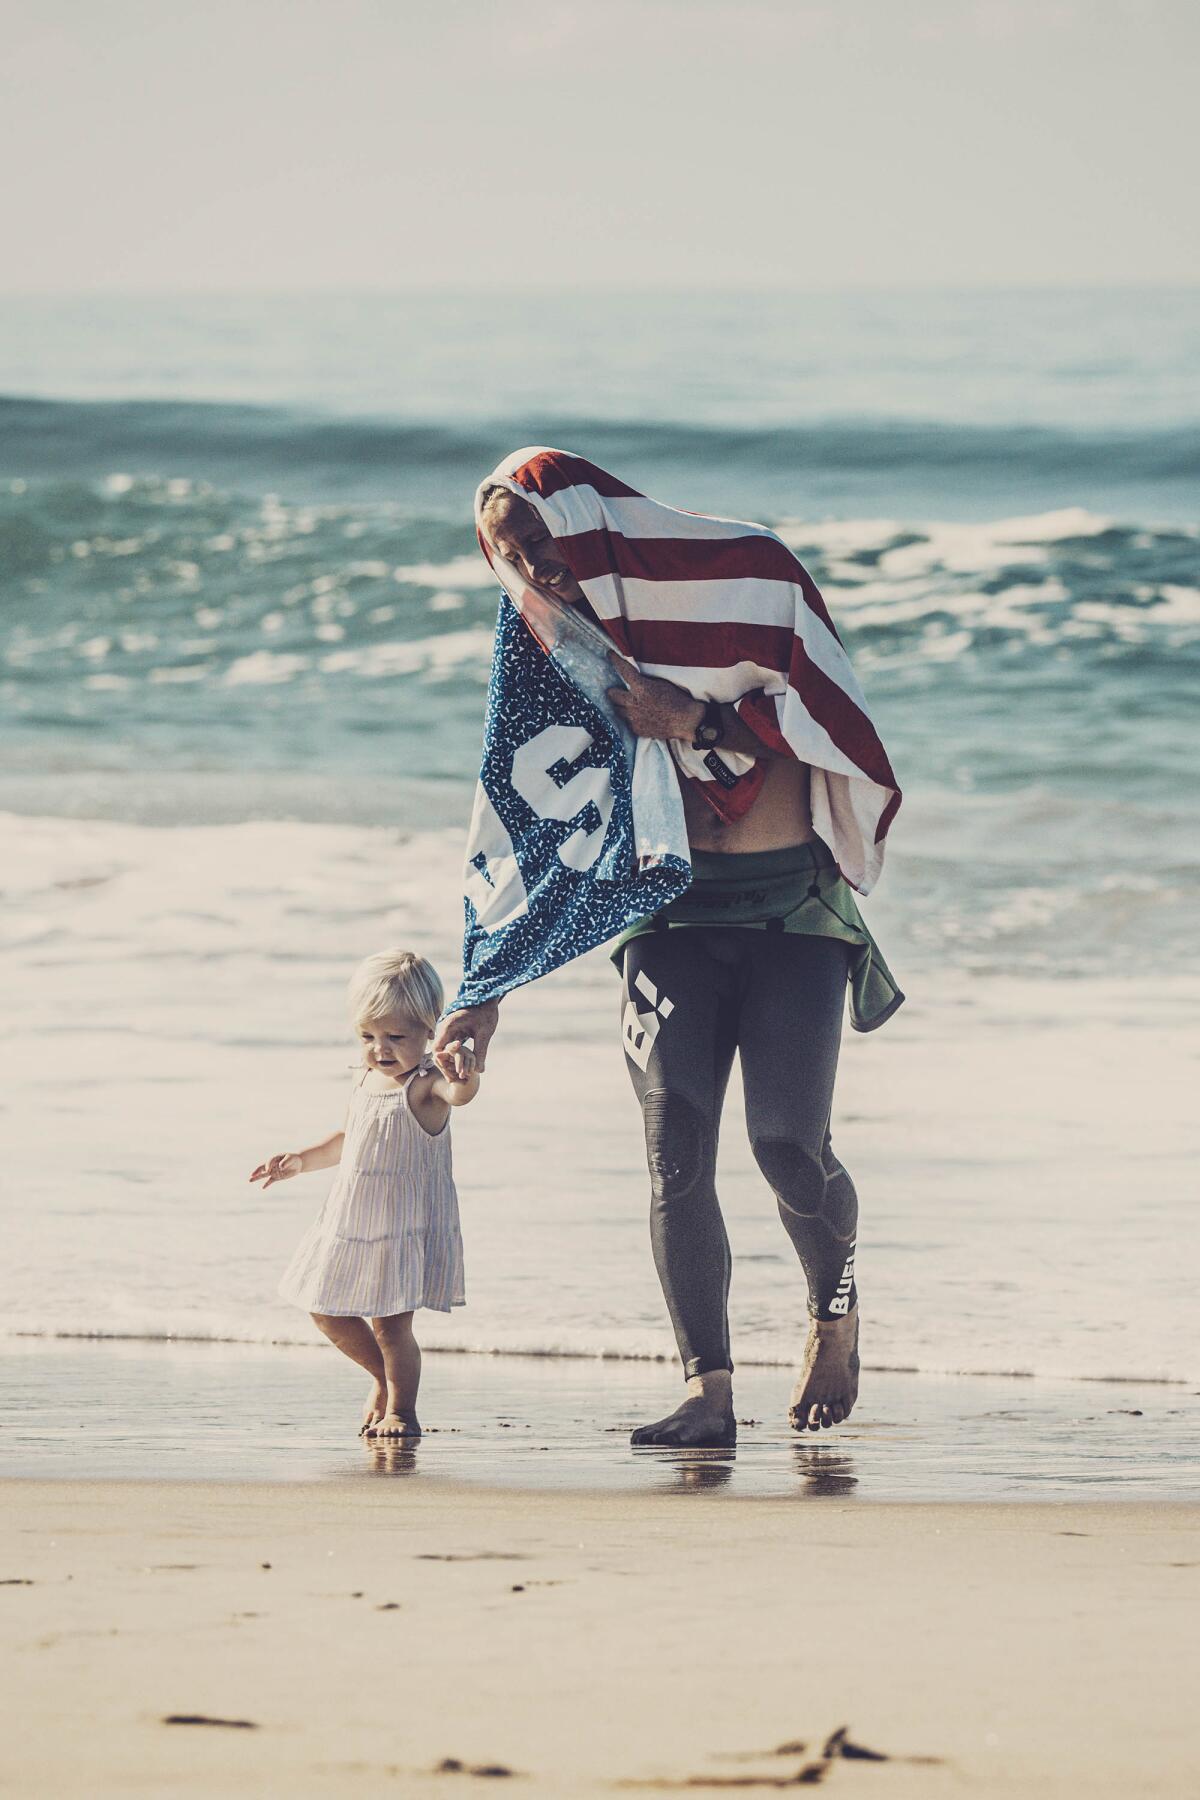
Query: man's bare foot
704	1421
375	1408
395	1425
827	1385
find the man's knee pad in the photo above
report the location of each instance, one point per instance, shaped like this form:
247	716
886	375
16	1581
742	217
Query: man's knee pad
797	1176
679	1148
840	1205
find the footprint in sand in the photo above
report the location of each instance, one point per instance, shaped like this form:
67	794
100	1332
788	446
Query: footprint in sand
204	1719
473	1556
450	1765
837	1746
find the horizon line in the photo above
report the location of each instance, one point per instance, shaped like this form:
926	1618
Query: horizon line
680	286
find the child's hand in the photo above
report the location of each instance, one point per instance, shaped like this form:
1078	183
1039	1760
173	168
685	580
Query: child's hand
460	1059
278	1168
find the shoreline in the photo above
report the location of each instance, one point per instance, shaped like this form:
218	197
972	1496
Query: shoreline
655	1359
320	1639
651	1359
518	1424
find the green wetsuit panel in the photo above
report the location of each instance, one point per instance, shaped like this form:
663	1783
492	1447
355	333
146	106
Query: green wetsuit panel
798	889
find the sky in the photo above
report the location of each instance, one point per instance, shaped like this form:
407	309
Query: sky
376	145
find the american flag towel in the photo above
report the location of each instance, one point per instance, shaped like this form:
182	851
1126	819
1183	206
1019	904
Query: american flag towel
718	606
723	609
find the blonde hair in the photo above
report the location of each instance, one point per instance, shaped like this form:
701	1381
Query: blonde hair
491	496
396	981
492	493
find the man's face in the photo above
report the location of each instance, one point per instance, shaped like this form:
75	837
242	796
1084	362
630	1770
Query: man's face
517	532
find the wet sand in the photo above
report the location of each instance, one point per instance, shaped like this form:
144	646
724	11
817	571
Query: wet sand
257	1413
425	1637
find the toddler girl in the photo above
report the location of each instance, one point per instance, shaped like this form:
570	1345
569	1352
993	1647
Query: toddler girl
387	1239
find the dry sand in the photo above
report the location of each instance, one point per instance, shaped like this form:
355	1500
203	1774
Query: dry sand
586	1644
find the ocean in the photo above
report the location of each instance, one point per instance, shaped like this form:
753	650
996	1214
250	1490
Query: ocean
246	636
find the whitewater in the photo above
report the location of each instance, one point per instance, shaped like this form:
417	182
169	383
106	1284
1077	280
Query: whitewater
245	642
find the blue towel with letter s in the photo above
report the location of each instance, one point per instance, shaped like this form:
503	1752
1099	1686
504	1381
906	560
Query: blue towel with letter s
578	826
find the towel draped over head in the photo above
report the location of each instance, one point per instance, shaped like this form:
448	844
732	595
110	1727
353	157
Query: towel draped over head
724	609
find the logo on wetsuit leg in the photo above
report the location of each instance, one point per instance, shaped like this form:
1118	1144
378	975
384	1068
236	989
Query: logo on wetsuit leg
640	1029
841	1300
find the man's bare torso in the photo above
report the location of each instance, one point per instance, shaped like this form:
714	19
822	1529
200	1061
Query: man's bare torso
781	814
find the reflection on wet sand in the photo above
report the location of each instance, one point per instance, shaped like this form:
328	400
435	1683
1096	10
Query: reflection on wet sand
824	1470
693	1471
396	1456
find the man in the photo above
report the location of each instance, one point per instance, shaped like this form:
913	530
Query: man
756	955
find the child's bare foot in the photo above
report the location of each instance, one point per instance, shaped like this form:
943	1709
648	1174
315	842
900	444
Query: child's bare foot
827	1384
396	1425
375	1409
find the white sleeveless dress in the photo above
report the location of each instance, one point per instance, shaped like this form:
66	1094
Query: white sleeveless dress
387	1239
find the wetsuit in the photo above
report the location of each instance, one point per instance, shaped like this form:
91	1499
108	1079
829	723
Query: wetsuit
769	981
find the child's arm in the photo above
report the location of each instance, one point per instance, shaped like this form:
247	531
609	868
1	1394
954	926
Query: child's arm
435	1093
459	1082
300	1162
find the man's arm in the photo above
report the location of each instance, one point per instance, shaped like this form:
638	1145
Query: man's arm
652	707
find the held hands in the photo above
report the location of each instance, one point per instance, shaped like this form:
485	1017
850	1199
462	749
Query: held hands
278	1168
652	707
475	1022
459	1064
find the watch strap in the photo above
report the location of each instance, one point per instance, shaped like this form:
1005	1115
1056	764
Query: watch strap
711	730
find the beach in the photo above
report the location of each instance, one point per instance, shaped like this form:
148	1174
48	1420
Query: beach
849	360
246	644
977	1584
247	634
413	1638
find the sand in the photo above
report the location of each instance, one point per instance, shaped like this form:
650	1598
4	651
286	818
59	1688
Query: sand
360	1637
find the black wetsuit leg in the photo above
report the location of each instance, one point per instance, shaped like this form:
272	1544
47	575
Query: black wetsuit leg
679	1024
691	997
789	1037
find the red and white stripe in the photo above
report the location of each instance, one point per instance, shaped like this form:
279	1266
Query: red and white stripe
722	608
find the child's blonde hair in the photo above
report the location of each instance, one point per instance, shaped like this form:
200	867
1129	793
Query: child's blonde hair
396	981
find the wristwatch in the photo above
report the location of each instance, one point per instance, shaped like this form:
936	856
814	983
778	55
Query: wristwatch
711	729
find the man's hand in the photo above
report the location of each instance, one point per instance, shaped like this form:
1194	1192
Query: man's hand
476	1022
651	707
